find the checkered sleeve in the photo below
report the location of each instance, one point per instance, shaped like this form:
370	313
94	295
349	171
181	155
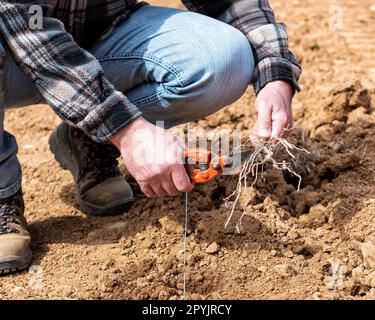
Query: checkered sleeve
269	40
69	78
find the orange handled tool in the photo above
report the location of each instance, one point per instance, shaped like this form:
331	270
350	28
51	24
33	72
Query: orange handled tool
211	165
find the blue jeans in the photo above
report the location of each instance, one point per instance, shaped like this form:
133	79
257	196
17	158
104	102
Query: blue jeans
176	66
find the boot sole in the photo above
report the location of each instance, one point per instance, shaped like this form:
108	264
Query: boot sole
20	264
66	164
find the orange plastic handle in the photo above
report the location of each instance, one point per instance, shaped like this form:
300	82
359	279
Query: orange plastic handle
204	157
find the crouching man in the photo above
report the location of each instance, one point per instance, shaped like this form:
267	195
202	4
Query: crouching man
110	68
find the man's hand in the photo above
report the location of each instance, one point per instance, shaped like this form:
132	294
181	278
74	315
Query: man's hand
273	105
154	157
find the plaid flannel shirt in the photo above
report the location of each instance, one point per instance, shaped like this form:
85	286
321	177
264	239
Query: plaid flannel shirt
72	80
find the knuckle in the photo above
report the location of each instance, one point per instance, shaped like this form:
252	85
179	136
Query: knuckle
185	188
160	192
174	193
148	193
157	171
151	174
264	115
284	120
146	190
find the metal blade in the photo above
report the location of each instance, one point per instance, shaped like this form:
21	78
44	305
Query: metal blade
236	160
245	155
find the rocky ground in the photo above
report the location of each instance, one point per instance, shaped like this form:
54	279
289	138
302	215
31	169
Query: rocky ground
316	243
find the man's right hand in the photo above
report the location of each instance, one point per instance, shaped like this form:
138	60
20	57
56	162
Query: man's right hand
154	157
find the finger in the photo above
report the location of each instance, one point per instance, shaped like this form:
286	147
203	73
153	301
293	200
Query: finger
279	125
189	169
181	179
147	190
288	130
170	188
158	190
264	120
254	138
290	127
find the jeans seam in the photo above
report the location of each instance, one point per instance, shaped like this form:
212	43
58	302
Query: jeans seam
151	98
13	189
147	56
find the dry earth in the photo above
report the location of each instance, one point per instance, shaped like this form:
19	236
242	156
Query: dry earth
316	243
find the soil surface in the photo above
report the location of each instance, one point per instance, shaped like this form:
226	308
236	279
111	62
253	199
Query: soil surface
316	243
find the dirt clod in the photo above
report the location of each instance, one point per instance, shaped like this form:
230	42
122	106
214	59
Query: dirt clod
314	219
285	270
213	248
368	253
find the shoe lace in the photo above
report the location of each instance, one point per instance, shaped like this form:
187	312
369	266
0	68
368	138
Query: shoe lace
8	213
99	161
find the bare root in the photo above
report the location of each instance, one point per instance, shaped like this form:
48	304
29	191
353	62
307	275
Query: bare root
277	153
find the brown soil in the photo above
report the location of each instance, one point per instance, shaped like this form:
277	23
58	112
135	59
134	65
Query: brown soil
316	243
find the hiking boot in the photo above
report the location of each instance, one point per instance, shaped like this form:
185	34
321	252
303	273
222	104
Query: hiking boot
15	252
100	188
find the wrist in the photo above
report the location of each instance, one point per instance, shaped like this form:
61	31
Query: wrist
125	133
282	86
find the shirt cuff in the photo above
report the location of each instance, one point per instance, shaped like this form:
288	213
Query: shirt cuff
108	119
276	68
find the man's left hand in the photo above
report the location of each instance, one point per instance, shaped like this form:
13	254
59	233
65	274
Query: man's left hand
273	105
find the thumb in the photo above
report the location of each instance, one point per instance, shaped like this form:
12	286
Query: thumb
264	120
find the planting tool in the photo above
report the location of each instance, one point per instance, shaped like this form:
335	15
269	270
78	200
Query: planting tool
211	165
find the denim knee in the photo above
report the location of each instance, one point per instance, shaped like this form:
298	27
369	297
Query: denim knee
222	72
